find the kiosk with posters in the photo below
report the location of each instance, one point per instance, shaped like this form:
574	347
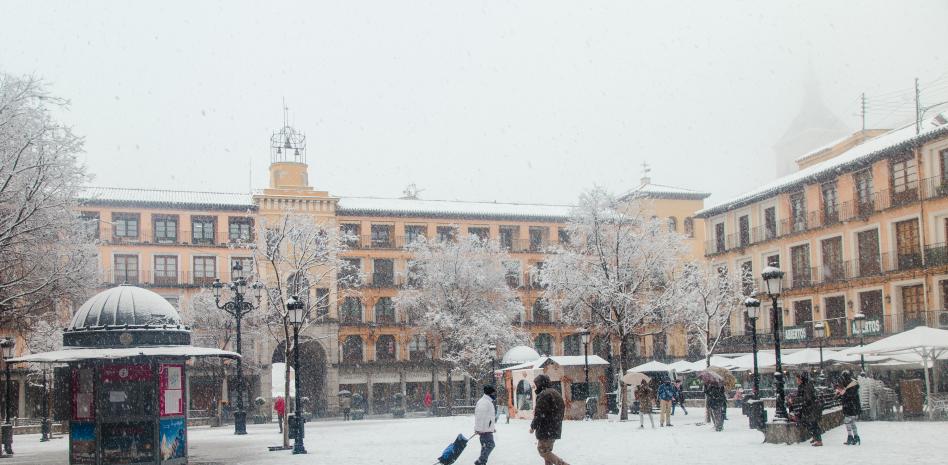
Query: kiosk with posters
126	349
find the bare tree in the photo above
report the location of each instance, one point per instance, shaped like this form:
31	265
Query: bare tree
458	294
296	255
715	295
616	272
46	256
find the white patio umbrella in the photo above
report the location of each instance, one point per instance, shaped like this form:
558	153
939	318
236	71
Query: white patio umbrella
716	361
648	367
807	356
846	356
682	366
765	360
927	343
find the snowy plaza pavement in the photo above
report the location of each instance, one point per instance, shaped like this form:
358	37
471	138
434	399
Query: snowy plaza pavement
419	441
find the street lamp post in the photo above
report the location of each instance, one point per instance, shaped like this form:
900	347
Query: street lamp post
492	351
296	312
860	326
752	307
237	307
45	426
584	337
773	278
8	346
819	330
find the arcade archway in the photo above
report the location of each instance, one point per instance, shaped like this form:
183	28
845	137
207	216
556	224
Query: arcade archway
312	373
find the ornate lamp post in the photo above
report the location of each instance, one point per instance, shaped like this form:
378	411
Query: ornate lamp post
8	346
773	278
584	337
859	321
296	312
819	331
752	307
237	307
492	351
46	425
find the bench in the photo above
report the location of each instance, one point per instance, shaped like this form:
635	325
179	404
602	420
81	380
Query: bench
937	403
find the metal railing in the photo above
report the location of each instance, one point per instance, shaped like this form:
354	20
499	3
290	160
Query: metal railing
151	278
109	234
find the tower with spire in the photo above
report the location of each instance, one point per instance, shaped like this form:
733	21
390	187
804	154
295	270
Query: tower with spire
814	126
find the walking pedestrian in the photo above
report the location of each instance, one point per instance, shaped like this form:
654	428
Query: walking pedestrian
679	397
547	421
848	391
739	397
810	408
280	406
643	393
716	401
484	427
666	394
345	403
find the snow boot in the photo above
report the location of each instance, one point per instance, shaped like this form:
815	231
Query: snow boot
849	441
856	440
817	443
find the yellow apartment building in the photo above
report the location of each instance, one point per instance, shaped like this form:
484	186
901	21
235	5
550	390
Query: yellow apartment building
859	228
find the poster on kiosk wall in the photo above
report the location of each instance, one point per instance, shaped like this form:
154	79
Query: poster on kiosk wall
171	398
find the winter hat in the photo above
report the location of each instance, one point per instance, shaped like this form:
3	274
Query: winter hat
804	376
542	382
489	390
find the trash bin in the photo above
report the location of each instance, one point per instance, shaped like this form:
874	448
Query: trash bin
294	423
756	415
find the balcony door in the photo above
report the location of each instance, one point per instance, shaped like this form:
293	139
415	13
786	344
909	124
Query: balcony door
868	245
832	249
907	248
913	306
836	315
803	316
870	304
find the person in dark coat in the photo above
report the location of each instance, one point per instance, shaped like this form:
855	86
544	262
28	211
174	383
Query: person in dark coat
848	392
810	407
679	398
717	402
547	421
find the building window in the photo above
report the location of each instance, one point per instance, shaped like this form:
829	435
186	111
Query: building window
870	304
351	310
202	229
481	232
125	226
770	222
660	342
90	224
204	270
166	229
383	274
672	224
382	236
415	232
864	195
246	266
904	181
868	248
803	316
943	159
830	203
907	245
572	345
385	311
322	303
744	230
352	350
539	236
512	273
798	211
913	306
562	236
541	311
719	244
125	269
508	236
447	233
835	315
800	265
832	250
418	347
747	278
543	344
350	233
689	227
773	260
385	348
166	270
240	229
349	274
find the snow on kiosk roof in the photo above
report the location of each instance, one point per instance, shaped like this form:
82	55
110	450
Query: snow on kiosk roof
561	360
894	142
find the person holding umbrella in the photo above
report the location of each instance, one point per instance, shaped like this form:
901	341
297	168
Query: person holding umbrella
643	393
715	397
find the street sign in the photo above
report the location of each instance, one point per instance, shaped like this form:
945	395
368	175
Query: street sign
794	333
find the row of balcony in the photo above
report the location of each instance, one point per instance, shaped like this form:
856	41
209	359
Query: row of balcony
861	209
183	237
401	242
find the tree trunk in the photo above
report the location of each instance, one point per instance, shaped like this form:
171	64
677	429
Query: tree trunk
448	391
286	384
623	389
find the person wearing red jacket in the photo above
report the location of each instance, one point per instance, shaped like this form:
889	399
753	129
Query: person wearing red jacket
280	406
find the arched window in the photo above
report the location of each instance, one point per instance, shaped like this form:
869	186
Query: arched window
352	350
541	311
524	395
385	311
385	348
351	310
418	347
689	227
572	345
672	224
543	344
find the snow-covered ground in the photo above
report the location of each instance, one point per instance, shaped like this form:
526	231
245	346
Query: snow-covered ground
419	441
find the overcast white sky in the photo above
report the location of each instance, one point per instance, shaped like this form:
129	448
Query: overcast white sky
509	101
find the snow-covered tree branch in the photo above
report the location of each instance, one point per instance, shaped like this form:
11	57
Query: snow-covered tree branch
715	295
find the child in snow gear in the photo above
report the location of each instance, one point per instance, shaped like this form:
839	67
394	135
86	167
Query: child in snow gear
643	392
848	392
484	418
810	407
666	394
547	419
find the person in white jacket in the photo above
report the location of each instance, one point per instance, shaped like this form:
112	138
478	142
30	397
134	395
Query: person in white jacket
485	422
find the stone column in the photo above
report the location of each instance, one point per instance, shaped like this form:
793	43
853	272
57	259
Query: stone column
369	396
21	399
467	389
403	388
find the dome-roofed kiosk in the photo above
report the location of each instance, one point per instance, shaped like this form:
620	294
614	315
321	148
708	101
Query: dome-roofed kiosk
126	351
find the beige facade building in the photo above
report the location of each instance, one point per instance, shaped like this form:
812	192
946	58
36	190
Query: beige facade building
860	227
